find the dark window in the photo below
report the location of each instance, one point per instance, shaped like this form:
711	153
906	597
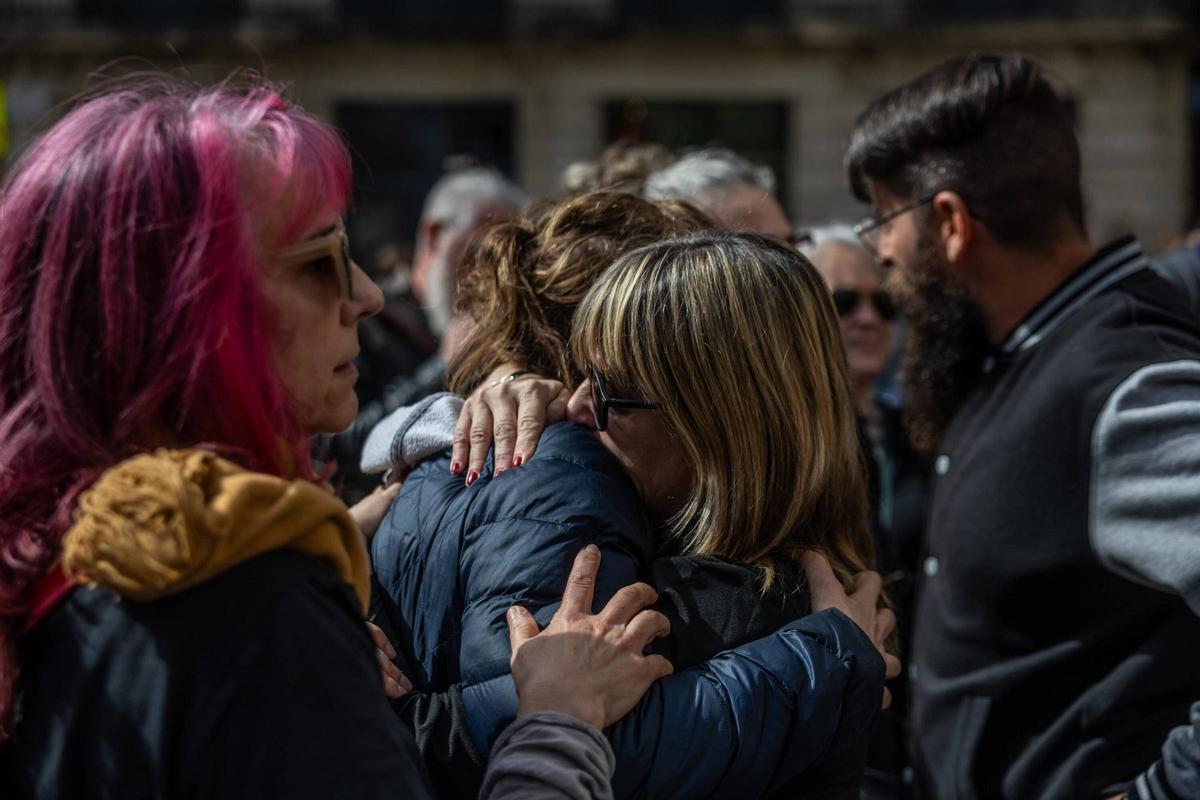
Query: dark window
400	151
756	130
425	18
697	14
922	11
153	14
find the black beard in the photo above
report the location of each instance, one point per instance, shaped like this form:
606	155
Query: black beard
947	342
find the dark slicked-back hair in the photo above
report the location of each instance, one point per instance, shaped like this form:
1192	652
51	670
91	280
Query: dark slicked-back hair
990	128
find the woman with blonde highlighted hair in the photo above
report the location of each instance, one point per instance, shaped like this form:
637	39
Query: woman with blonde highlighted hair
733	340
701	495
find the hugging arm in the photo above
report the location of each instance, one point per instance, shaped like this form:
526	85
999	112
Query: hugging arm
754	717
1176	774
743	722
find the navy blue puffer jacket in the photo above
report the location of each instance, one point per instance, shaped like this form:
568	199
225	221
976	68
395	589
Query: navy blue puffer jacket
454	558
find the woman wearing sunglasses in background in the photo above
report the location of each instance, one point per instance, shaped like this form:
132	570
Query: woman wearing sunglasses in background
181	597
896	472
745	723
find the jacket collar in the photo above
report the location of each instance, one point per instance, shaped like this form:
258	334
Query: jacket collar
1112	263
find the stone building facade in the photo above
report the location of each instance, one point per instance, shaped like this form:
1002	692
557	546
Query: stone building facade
552	75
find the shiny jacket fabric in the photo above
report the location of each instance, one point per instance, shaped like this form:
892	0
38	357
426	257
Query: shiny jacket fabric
454	558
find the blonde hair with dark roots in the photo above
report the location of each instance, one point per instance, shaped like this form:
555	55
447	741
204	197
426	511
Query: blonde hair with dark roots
526	277
734	336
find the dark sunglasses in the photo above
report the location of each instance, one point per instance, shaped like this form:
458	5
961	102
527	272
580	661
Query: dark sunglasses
334	245
846	300
602	401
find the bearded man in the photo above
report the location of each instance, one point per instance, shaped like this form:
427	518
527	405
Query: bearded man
1056	388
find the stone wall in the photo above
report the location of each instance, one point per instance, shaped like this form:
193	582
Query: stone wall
1130	96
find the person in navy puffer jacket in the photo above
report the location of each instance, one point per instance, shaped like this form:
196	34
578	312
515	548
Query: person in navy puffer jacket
787	713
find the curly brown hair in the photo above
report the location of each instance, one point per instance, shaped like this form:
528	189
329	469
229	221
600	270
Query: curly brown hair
526	277
622	167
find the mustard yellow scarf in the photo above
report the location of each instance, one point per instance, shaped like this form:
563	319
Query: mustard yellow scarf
160	523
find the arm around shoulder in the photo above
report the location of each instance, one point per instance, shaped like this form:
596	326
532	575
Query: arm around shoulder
1177	774
550	755
754	717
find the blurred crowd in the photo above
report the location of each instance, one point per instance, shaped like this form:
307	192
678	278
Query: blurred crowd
644	489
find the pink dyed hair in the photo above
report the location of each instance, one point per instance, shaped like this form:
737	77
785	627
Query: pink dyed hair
131	313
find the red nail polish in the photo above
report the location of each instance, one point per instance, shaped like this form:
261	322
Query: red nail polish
455	467
496	472
471	476
518	460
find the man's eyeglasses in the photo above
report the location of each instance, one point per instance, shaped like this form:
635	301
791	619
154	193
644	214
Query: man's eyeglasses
869	228
335	246
602	401
846	300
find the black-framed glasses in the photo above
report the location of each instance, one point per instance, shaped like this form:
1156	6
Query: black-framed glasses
846	300
602	401
869	228
335	246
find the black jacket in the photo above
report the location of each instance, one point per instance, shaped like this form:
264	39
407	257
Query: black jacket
260	683
1054	650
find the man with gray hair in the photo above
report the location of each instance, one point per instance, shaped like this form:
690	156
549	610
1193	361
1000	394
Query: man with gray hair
735	192
456	210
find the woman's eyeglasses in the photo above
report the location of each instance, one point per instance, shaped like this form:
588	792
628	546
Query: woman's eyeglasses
335	246
846	300
602	401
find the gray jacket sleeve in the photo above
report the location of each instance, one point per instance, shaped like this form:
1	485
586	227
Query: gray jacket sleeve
550	756
1145	492
1145	519
1176	776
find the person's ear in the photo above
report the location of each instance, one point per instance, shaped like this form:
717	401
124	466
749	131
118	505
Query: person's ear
430	234
955	226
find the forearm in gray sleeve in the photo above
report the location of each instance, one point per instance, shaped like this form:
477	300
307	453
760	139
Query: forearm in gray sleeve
550	756
1145	492
1177	774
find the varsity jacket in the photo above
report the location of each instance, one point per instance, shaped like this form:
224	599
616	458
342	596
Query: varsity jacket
1055	647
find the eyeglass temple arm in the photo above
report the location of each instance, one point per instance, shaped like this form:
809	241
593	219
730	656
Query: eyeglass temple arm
616	402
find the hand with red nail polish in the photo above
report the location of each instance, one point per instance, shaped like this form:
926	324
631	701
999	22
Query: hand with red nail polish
509	410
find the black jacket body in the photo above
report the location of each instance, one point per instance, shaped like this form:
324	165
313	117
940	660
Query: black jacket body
1038	671
259	683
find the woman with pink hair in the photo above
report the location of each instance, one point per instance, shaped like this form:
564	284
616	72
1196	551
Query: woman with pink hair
181	597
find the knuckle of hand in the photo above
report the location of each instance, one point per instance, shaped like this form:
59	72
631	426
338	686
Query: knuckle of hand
479	436
529	424
505	430
530	393
581	580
